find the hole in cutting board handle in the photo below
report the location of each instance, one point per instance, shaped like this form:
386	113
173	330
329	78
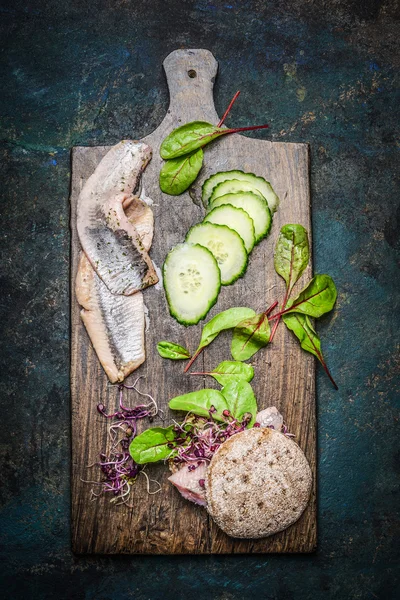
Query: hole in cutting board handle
192	73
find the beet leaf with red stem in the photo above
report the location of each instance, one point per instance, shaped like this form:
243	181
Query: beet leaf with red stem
291	257
182	151
301	326
194	135
250	335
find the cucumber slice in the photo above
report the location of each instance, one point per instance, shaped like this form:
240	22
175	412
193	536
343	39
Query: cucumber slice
259	183
254	205
226	245
237	219
192	281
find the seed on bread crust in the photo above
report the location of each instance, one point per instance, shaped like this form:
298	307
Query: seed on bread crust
257	484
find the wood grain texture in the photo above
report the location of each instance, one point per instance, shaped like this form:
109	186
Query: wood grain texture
165	523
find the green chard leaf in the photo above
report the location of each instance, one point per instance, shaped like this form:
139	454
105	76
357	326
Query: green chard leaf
241	401
228	370
292	253
189	137
178	174
200	403
304	331
302	328
172	351
316	299
224	320
249	336
152	445
194	135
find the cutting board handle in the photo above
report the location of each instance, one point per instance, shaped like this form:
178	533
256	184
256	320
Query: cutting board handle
190	77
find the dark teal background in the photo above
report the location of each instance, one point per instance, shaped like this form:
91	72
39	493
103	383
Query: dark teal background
89	72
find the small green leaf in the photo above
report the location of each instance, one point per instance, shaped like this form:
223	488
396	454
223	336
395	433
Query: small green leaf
250	336
152	445
241	401
316	299
292	253
200	403
228	370
194	135
189	137
301	326
304	331
178	174
224	320
172	351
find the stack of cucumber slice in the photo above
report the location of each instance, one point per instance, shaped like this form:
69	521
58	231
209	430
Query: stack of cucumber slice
239	215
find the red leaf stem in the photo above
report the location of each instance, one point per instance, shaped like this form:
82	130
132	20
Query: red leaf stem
191	361
226	113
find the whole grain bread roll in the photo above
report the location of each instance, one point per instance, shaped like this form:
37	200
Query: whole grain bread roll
258	483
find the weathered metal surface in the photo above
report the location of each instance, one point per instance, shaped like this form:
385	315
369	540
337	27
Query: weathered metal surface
324	73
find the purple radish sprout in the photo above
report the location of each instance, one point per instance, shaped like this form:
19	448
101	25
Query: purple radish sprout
118	469
201	438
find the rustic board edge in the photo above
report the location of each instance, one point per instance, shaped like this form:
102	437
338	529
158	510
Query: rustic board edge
306	546
288	165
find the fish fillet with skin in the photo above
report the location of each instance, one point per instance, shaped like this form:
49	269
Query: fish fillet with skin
141	216
115	323
109	239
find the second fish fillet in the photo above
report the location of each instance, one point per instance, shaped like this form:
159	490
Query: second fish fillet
115	323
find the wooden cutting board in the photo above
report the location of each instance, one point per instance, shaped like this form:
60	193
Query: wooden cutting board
165	523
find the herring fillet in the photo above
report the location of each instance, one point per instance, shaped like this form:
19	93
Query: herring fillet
115	323
108	238
141	216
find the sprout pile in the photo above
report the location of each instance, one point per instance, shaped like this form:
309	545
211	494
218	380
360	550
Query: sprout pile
198	438
119	471
191	443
